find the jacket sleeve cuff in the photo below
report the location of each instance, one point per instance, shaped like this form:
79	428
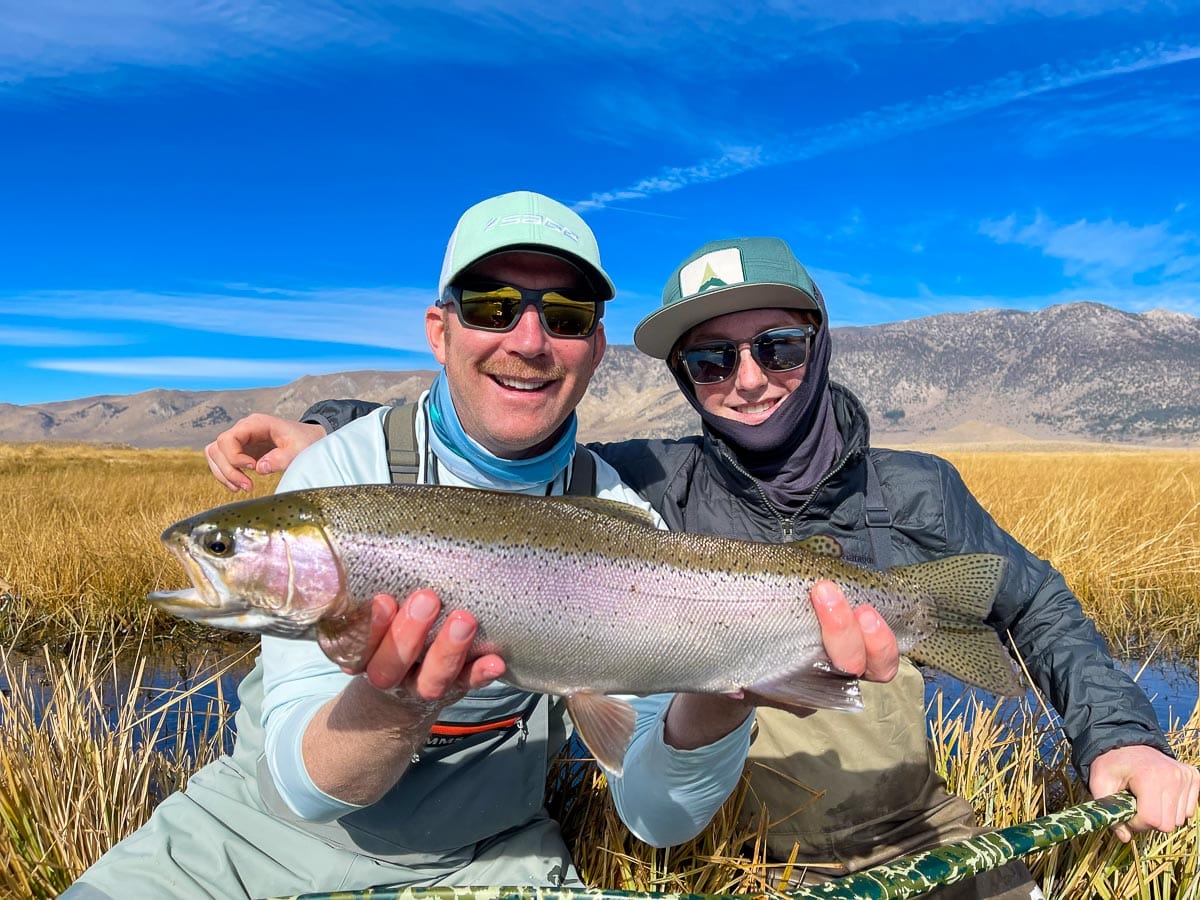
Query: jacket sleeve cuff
667	796
285	760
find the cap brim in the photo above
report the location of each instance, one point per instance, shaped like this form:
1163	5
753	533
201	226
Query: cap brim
656	334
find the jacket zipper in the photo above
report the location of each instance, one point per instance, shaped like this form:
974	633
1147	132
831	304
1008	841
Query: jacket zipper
786	525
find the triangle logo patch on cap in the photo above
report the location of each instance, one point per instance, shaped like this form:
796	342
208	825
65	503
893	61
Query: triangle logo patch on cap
718	269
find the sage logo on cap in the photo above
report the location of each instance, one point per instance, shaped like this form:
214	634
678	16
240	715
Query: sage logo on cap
530	219
718	269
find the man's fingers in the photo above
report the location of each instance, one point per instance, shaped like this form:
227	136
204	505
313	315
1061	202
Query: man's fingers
442	668
840	632
223	471
404	642
1191	797
483	672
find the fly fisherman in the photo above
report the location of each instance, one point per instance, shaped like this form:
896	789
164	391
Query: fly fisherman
785	454
428	769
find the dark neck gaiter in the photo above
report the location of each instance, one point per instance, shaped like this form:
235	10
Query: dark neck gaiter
791	451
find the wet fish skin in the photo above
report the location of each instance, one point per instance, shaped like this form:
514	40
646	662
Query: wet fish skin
581	597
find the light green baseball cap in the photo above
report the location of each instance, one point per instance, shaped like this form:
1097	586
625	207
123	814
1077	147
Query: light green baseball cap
523	220
726	277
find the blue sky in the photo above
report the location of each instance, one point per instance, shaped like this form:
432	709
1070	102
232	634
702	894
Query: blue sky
225	194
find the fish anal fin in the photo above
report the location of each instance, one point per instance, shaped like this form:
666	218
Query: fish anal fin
605	724
820	545
972	654
816	686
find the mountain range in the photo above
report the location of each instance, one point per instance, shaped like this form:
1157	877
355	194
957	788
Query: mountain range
1074	372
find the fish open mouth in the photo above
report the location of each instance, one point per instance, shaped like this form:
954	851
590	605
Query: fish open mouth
200	601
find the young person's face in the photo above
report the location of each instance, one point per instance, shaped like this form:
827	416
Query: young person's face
513	390
752	393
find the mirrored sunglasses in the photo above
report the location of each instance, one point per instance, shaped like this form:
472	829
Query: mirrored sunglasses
775	350
499	307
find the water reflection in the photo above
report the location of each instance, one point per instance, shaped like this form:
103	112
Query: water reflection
1171	686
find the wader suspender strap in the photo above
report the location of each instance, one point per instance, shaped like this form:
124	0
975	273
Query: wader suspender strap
583	474
400	435
879	520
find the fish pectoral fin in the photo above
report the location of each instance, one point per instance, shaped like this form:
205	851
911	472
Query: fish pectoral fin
605	724
816	686
344	639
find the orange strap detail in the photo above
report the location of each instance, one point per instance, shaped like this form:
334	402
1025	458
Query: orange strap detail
463	730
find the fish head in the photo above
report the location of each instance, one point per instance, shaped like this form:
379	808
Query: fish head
263	565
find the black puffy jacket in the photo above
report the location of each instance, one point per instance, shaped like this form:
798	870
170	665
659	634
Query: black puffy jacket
697	485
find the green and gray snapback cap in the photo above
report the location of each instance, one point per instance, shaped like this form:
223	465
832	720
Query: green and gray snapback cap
523	220
726	277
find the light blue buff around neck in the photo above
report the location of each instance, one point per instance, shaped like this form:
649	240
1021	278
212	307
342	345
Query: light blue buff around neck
475	464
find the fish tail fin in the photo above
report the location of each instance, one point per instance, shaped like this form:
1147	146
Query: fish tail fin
963	589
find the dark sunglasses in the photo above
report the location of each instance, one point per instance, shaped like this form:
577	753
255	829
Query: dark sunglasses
498	307
775	350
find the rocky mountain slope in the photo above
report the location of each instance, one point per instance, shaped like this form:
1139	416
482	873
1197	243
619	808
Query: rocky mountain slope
1080	371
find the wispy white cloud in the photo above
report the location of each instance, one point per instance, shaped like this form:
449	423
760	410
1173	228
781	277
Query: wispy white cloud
1104	250
1158	110
215	368
368	317
902	118
55	39
19	336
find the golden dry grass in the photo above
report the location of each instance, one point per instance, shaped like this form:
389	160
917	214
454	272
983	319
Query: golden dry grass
1123	526
79	528
79	542
1012	769
79	550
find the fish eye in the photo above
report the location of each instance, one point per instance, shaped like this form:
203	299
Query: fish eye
218	543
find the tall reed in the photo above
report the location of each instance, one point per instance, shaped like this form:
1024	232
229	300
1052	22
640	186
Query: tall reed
79	546
89	745
1123	526
1012	764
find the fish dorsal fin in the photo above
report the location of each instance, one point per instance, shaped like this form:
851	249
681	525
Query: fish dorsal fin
605	724
820	545
615	509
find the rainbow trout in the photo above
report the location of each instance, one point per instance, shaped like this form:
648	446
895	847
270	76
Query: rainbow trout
581	597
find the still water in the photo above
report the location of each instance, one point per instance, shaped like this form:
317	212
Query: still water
1171	686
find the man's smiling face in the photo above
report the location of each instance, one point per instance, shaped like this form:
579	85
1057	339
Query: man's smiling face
514	390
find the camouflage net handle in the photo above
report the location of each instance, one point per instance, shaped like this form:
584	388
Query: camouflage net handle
910	876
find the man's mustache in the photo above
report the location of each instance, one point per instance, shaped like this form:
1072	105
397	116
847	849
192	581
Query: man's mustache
524	371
